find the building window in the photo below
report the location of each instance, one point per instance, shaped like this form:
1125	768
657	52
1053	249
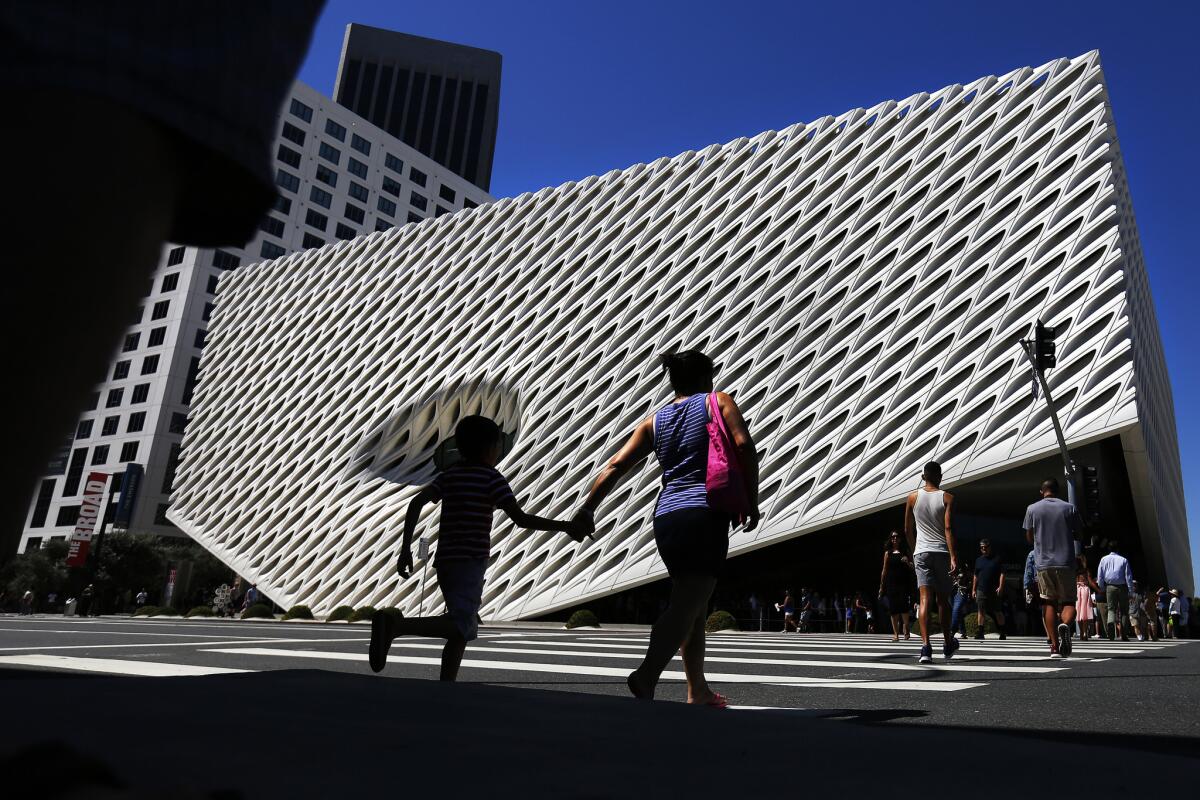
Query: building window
67	516
135	422
223	260
329	153
469	203
157	337
170	282
42	506
175	256
121	370
356	167
131	342
287	180
141	393
416	176
84	430
178	422
212	284
360	144
271	250
382	224
200	334
169	473
300	110
441	210
392	187
109	426
446	193
150	365
129	451
355	214
160	514
114	398
189	384
320	197
74	472
316	220
272	225
292	133
137	315
282	204
413	217
418	201
386	206
288	156
93	401
313	241
336	131
100	455
208	309
160	309
344	231
394	164
359	192
326	175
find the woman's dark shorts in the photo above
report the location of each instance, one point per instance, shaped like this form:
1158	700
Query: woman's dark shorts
693	541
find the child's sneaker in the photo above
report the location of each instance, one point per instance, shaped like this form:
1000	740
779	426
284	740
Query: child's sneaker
381	639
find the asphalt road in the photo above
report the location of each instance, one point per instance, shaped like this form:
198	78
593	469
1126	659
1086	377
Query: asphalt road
183	679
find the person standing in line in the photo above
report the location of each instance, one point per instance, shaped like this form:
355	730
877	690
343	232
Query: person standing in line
1115	580
788	607
848	612
1137	612
1163	601
893	584
1052	526
692	536
1029	583
1174	614
928	527
963	581
987	587
806	610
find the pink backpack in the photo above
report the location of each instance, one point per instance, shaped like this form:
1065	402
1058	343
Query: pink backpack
725	481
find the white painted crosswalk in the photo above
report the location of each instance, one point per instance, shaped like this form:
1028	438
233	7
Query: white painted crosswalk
115	666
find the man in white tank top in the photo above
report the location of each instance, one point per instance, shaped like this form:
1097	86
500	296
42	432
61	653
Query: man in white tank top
927	526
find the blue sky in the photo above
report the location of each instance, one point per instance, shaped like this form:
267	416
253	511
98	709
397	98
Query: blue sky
589	87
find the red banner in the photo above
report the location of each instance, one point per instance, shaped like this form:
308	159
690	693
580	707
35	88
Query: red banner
89	514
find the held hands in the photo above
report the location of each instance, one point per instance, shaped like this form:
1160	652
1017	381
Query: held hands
405	564
581	525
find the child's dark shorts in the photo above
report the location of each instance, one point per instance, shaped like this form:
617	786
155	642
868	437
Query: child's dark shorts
461	582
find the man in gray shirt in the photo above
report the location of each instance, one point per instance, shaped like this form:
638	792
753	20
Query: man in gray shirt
1052	526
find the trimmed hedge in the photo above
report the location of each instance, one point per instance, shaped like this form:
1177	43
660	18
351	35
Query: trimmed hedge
362	613
258	611
147	611
989	625
583	619
720	621
340	613
298	612
200	611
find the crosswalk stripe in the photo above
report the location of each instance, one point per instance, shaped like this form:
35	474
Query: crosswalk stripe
206	643
112	666
1042	654
616	672
890	647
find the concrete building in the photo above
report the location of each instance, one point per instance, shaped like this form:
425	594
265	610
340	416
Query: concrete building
339	177
442	99
863	281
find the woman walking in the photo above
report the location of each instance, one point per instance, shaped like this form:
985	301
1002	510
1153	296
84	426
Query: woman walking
692	537
894	582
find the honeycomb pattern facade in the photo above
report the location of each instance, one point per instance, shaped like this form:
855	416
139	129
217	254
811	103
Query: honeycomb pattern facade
862	281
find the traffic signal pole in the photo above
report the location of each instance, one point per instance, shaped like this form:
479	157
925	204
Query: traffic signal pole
1040	376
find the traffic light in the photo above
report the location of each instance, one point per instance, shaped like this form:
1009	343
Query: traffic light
1091	493
1043	346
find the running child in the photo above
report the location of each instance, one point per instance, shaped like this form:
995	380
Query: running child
469	492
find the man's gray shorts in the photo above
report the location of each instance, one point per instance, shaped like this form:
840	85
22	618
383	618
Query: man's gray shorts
933	570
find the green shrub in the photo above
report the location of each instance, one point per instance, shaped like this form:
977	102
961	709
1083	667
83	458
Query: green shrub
146	611
720	621
258	611
340	613
298	612
163	611
200	611
362	613
583	619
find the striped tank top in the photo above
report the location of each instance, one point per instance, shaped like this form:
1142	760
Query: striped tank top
681	446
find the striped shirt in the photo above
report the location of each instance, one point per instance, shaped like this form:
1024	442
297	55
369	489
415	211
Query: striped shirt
469	493
681	446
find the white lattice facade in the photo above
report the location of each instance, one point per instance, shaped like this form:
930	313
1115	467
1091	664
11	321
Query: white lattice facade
862	280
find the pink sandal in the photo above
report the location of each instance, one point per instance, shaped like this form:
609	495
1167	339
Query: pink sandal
718	701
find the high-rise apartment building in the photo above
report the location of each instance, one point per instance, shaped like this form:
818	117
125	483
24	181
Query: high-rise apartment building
339	177
442	99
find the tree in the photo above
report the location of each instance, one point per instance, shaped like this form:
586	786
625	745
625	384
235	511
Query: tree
130	562
36	571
